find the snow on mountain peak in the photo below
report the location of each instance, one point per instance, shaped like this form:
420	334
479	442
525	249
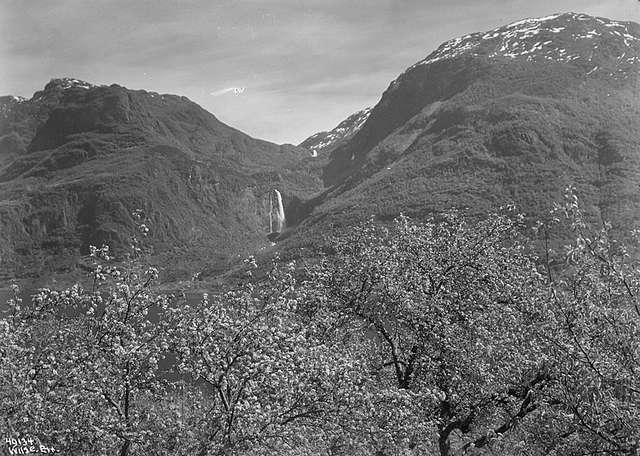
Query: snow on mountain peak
344	130
67	83
533	20
560	37
58	85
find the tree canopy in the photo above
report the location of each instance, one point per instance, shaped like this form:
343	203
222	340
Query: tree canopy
443	337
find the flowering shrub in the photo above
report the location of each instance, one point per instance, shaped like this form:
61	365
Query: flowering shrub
270	382
445	305
590	324
445	337
86	360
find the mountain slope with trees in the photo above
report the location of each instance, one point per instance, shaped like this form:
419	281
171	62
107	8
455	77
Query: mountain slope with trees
76	160
511	115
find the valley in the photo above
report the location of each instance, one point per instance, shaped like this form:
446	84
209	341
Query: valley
512	115
452	270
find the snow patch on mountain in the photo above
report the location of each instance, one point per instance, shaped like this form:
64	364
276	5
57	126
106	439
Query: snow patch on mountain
60	85
549	37
8	102
67	83
344	130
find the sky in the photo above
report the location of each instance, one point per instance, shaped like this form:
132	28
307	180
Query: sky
279	70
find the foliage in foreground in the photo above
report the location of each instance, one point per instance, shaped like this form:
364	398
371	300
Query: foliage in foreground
445	337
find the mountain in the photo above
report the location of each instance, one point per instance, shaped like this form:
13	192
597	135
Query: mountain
77	159
514	114
325	141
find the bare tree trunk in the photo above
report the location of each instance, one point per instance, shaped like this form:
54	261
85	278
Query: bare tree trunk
443	442
124	451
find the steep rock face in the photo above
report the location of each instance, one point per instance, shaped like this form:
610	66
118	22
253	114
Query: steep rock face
77	159
325	141
511	115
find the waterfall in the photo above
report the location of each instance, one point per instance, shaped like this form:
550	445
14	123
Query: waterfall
276	212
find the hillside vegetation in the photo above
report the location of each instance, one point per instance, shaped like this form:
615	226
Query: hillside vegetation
76	160
511	115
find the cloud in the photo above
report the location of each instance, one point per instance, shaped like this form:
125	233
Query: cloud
234	90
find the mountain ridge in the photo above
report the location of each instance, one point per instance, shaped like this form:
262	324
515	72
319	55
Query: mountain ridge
473	129
327	140
478	59
511	115
77	159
